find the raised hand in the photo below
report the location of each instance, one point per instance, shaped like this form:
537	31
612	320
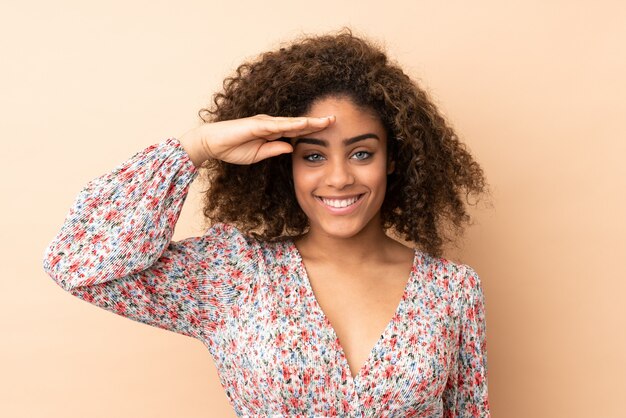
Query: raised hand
248	140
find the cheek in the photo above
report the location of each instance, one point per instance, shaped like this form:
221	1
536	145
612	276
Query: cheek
375	176
302	181
381	188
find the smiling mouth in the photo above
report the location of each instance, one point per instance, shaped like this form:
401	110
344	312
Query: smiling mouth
340	203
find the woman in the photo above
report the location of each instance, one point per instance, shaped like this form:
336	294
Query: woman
307	306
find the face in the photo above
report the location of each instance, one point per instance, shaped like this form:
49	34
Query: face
340	173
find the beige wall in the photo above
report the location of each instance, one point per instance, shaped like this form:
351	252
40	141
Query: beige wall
535	88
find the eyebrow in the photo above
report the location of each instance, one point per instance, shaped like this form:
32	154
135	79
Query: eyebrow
346	142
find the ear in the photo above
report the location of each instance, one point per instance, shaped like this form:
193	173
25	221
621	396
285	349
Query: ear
391	165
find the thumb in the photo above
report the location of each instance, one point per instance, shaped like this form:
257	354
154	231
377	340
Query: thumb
272	149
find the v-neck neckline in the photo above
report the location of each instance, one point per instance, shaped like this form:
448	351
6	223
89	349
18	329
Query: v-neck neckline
302	272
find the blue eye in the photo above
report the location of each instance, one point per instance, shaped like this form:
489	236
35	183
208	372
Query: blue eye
313	157
362	155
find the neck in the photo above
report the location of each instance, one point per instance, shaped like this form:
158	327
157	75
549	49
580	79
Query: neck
365	247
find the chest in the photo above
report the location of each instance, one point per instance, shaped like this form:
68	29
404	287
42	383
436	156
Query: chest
299	336
359	304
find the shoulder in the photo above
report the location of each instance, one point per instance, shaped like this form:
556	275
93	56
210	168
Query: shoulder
228	234
439	266
457	277
221	243
228	243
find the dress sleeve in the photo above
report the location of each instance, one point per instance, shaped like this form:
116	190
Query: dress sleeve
114	249
465	394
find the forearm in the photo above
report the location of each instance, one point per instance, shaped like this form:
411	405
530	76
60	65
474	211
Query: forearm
121	221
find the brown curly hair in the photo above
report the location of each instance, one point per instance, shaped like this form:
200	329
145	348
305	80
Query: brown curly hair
433	169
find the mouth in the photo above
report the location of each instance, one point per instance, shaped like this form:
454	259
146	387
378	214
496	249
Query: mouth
340	203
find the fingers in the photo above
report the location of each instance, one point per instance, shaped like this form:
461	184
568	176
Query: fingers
272	149
276	127
312	125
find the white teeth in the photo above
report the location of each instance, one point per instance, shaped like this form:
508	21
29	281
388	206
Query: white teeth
339	203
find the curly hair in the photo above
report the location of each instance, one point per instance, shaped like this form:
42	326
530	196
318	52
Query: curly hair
433	169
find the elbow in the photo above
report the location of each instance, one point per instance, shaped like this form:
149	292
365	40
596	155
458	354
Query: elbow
55	264
70	271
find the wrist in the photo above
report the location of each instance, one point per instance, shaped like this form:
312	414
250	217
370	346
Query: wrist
190	142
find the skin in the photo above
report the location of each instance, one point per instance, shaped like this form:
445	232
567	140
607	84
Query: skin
247	140
337	169
358	274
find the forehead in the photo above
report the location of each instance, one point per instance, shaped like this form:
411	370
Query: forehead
343	105
351	120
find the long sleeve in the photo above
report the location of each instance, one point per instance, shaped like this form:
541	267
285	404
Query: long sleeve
114	249
466	394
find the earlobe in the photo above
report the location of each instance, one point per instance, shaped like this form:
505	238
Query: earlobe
390	167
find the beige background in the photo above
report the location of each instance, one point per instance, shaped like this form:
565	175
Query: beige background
535	88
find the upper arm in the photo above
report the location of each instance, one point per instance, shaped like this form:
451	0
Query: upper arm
165	295
466	392
185	290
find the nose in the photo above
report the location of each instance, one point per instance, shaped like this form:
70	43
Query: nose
339	175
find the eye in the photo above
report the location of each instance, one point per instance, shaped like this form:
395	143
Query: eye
313	157
362	155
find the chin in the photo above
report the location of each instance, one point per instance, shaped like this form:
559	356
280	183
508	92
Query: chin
344	231
341	234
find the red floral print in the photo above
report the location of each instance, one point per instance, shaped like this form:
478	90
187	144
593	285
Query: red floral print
251	304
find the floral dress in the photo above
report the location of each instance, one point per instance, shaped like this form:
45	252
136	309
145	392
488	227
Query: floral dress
251	304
